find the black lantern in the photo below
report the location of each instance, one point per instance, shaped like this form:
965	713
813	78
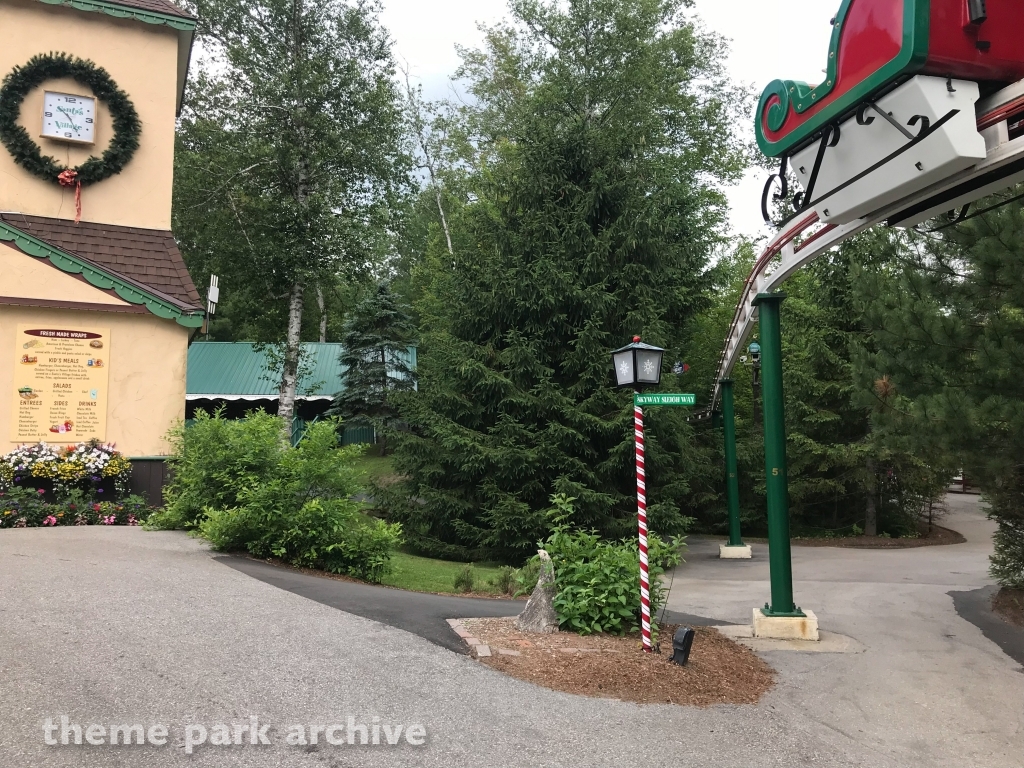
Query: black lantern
637	365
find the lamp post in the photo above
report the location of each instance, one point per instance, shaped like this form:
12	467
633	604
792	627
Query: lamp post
639	365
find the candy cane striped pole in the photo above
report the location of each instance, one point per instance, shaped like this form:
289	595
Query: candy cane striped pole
641	515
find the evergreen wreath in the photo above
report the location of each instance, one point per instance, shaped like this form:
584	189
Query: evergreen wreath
20	81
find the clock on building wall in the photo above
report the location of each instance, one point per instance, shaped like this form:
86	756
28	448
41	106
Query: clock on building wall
67	117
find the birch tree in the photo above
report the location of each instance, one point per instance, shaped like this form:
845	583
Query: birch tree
292	146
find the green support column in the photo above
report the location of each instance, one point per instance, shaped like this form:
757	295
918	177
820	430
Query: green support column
777	486
732	483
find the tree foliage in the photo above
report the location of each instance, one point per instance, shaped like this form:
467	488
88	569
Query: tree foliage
950	332
375	359
290	157
845	456
590	216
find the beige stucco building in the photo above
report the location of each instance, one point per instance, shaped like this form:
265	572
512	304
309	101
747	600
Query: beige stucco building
95	315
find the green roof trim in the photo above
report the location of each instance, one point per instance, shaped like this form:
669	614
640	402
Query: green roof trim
98	277
127	12
186	29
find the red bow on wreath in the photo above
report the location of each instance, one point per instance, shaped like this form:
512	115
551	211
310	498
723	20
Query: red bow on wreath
68	178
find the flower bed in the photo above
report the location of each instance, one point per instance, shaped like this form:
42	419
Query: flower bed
91	467
27	508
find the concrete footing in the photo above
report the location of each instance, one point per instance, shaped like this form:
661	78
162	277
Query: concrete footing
786	627
742	552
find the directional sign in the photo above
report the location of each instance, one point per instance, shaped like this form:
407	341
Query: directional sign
664	399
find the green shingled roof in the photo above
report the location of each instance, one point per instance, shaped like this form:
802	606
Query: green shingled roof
220	370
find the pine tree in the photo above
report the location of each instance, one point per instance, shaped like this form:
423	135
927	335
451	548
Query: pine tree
601	141
951	335
375	360
848	467
844	459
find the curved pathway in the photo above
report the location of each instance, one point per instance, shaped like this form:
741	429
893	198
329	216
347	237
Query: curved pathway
423	614
930	688
119	625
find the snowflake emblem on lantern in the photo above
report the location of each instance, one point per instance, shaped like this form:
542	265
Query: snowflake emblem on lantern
624	368
649	367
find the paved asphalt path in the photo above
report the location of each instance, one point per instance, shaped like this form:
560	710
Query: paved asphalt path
425	615
421	614
933	687
119	625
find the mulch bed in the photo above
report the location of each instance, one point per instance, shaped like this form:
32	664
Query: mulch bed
939	536
1009	605
719	671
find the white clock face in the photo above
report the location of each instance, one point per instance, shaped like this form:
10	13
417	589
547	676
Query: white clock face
67	117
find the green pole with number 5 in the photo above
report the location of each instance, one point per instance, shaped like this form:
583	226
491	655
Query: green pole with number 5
777	487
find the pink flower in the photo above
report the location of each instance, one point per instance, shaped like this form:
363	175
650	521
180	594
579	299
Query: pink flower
132	520
49	520
108	520
40	491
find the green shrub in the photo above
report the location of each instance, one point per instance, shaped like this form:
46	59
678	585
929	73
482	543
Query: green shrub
465	579
526	577
327	535
598	581
506	580
1008	558
272	500
214	460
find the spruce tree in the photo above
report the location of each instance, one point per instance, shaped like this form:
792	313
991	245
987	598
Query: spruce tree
951	335
843	459
847	466
375	361
603	130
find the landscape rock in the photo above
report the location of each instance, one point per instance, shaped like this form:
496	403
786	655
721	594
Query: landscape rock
539	615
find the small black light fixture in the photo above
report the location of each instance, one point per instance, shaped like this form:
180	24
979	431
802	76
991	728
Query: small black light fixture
682	642
637	365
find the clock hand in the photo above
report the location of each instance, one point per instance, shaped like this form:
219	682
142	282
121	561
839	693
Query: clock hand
69	117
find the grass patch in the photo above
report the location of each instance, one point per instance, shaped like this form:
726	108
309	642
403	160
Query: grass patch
372	467
423	574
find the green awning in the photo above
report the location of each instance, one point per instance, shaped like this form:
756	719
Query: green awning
238	371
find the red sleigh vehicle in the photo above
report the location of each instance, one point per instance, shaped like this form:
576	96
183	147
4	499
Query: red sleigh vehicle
895	110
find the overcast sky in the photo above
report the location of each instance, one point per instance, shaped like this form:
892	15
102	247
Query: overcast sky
769	39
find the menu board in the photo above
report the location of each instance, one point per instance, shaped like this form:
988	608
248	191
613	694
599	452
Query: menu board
60	384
